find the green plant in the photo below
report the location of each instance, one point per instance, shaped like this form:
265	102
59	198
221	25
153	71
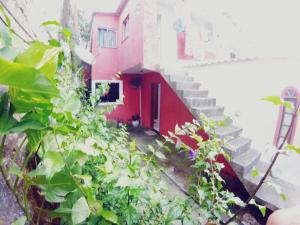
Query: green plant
206	186
81	165
84	28
277	101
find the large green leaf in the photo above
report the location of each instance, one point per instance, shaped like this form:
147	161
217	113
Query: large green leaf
110	216
77	157
80	211
25	101
37	120
57	188
31	85
276	100
42	57
23	77
34	138
7	121
52	163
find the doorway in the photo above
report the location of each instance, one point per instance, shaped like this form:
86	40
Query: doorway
155	106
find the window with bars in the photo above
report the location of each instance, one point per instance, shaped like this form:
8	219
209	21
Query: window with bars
107	38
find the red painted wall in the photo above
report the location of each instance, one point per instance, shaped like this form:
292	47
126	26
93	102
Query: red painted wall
172	112
131	50
129	53
131	100
181	47
107	64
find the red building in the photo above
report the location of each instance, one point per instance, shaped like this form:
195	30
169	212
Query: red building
149	41
126	41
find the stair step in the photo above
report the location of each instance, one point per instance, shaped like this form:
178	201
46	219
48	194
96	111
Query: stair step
182	78
237	146
251	182
267	195
200	102
244	163
262	167
185	85
192	93
229	131
208	111
225	119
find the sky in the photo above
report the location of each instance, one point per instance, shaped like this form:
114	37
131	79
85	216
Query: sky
100	5
272	25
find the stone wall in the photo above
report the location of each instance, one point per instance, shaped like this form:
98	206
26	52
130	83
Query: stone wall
20	10
9	208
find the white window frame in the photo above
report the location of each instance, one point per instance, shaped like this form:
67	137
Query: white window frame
120	82
125	28
107	29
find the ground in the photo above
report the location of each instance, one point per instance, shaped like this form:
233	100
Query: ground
176	170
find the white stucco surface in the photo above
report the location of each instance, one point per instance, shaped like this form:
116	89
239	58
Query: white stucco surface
240	86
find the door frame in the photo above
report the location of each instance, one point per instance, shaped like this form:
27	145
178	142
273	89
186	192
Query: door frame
158	106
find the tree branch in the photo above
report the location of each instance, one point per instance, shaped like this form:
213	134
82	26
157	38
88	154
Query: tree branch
268	170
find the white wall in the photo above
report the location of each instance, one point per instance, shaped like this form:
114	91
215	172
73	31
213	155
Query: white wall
168	43
239	86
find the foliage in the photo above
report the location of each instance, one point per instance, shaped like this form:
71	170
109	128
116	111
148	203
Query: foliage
84	27
82	164
20	221
283	148
277	101
207	186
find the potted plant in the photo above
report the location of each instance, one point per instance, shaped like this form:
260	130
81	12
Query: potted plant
136	120
120	123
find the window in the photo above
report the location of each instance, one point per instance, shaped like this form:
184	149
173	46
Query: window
207	33
107	38
291	95
126	28
114	93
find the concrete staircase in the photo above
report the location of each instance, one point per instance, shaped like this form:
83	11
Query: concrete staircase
243	156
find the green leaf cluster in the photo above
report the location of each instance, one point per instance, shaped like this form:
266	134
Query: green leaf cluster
206	186
84	168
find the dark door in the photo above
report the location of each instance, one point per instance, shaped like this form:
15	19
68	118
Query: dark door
155	106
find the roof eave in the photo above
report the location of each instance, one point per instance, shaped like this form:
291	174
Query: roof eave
121	6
